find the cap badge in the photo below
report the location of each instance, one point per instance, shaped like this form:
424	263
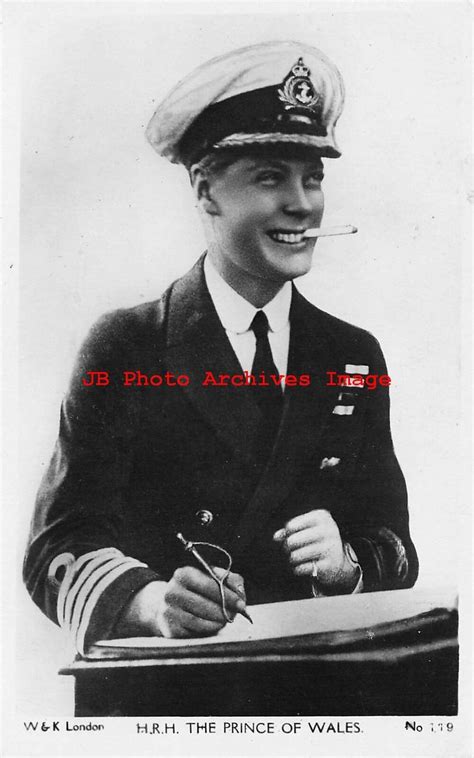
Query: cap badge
298	90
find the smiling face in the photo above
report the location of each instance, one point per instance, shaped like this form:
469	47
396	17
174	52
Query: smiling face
258	209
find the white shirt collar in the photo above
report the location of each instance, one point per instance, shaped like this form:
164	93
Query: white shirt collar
235	313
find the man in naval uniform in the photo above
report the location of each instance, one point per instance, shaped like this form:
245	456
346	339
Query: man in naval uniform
296	479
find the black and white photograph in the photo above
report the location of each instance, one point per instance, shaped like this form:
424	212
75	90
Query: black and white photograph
236	378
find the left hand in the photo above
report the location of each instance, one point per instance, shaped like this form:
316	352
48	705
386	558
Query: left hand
313	541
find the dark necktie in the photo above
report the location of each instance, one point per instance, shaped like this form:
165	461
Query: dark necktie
268	396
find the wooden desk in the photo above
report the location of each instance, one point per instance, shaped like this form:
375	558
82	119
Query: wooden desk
403	668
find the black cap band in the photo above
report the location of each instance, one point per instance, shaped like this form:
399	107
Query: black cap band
257	112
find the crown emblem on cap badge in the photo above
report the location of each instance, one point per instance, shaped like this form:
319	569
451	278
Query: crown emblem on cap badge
298	90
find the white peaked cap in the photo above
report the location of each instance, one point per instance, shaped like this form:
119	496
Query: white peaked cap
266	93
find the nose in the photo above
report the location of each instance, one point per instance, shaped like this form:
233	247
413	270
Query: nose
299	201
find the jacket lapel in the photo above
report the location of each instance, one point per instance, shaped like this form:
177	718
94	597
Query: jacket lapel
197	344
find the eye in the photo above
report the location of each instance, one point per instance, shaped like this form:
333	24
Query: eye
269	177
314	180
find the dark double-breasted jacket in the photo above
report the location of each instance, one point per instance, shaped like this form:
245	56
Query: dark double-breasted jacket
135	465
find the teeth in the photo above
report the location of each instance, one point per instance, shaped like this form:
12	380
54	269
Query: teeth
287	237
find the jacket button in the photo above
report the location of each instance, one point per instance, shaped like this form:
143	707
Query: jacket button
204	517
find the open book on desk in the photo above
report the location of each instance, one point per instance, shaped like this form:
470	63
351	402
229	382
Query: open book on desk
322	623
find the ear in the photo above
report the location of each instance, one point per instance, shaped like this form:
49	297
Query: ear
201	183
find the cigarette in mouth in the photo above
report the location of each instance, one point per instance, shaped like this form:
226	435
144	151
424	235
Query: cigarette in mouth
329	231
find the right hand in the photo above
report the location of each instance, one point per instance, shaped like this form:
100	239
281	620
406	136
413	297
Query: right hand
189	605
